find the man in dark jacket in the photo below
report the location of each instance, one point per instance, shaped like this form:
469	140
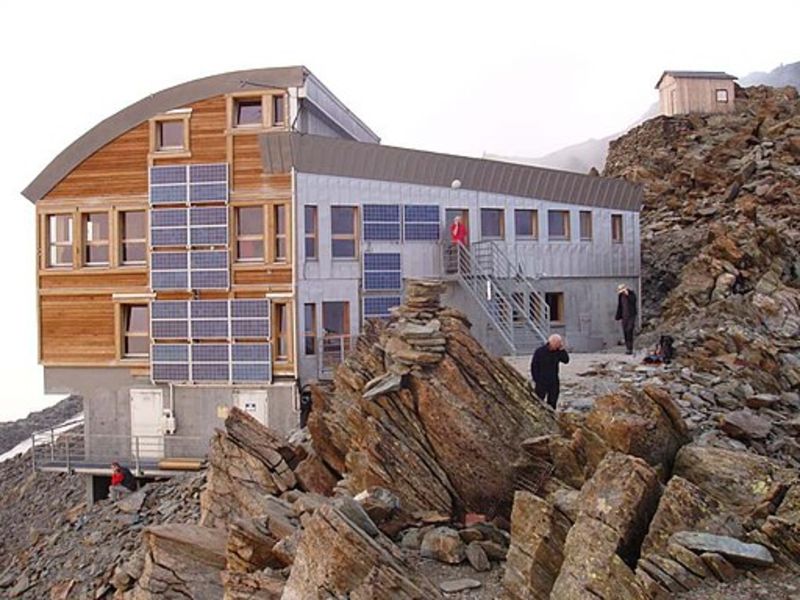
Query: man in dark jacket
544	369
627	308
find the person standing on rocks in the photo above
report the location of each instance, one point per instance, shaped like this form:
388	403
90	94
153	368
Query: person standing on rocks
626	312
122	482
544	369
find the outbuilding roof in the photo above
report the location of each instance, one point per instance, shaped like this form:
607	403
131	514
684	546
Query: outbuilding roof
696	75
282	151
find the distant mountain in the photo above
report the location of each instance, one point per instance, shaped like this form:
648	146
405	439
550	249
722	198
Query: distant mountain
583	156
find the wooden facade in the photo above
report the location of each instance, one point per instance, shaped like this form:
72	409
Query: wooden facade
82	305
684	95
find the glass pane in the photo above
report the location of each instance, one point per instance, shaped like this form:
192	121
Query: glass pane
280	219
523	223
250	220
277	110
133	252
250	249
60	228
334	317
344	248
248	112
137	345
281	329
96	227
170	134
280	248
137	319
343	220
586	225
311	247
133	225
311	219
61	255
491	222
97	254
556	223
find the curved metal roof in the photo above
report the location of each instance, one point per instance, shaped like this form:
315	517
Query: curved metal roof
175	97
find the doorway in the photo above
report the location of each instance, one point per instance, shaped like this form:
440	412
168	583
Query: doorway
147	437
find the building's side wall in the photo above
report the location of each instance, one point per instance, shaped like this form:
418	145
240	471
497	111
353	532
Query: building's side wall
693	95
328	113
587	272
667	96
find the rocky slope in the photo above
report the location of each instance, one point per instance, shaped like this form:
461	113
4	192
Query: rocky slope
14	432
721	234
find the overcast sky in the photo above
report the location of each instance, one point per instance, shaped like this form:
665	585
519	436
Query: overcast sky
510	78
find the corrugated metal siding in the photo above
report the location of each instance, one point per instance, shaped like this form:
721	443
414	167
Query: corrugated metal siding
346	158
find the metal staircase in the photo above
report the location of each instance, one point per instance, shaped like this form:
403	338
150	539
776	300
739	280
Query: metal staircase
516	309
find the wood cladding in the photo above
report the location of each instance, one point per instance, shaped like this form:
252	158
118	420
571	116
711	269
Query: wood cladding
77	329
206	134
266	277
248	173
112	280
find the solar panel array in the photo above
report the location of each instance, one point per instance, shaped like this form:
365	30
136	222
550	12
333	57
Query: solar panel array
381	222
382	271
387	223
179	184
197	341
377	307
421	222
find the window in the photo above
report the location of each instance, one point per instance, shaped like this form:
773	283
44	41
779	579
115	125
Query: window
526	223
278	110
616	228
95	238
343	231
586	225
555	300
722	96
279	219
281	328
59	241
250	233
133	237
558	225
169	133
310	328
492	226
136	335
311	232
248	112
336	331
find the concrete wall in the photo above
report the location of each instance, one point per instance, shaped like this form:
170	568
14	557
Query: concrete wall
198	410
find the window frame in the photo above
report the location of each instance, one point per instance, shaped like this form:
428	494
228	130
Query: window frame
313	235
717	93
534	222
581	233
122	335
310	329
250	237
85	243
156	150
268	99
248	100
617	239
281	330
48	245
559	303
277	236
567	226
121	240
502	223
340	236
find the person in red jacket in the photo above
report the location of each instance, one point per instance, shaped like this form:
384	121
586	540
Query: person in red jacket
458	232
122	482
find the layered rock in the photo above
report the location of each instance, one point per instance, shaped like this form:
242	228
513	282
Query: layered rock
440	398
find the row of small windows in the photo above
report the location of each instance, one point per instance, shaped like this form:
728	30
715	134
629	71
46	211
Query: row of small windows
169	133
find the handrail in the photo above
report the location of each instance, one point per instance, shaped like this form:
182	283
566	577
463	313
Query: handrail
332	350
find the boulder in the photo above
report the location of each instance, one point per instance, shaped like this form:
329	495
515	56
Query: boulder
745	425
736	551
314	476
477	558
248	586
443	544
338	559
721	568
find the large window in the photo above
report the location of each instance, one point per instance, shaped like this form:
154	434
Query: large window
310	328
616	229
311	243
558	225
133	237
280	225
343	231
492	226
135	332
59	240
95	238
526	224
248	112
586	225
555	300
250	233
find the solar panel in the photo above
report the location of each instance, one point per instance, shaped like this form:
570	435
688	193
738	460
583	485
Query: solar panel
209	309
169	329
210	372
376	280
381	222
208	216
211	353
217	172
172	174
378	306
169	309
421	222
170	372
381	261
168	237
168	194
250	308
208	192
169	280
209	236
209	280
215	259
251	372
169	261
210	329
250	353
170	353
168	217
250	328
382	271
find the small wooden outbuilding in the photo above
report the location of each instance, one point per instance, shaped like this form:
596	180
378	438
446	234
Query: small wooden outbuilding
684	92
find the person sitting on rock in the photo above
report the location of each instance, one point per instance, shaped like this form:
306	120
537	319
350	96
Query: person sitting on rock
122	482
544	369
